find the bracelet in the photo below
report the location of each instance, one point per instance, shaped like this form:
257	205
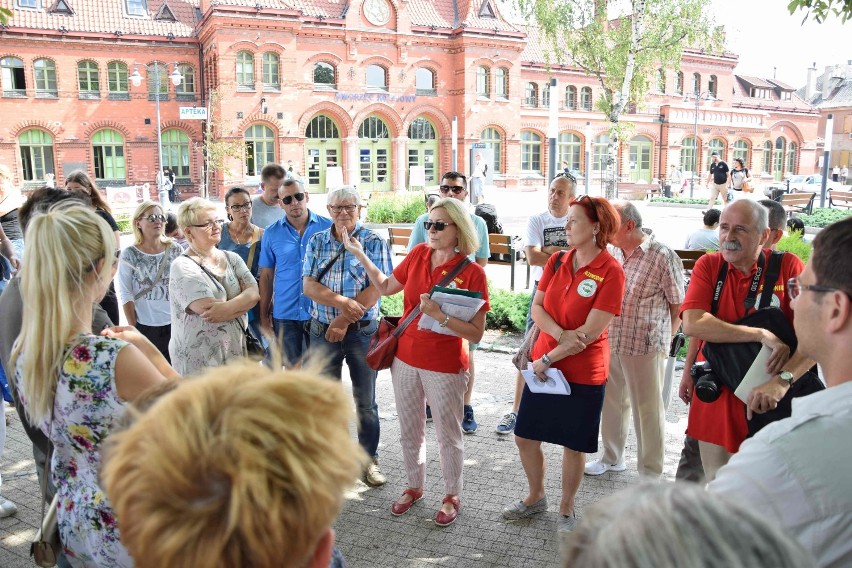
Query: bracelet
446	321
560	336
546	360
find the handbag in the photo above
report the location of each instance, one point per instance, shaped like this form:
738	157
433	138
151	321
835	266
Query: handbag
747	187
524	355
45	548
383	344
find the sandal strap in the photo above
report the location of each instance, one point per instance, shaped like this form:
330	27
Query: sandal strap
454	500
413	493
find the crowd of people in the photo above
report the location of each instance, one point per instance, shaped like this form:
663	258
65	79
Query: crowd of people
165	446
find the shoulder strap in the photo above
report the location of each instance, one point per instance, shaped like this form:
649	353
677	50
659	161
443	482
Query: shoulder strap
253	248
717	289
159	275
444	281
773	271
559	260
337	255
207	272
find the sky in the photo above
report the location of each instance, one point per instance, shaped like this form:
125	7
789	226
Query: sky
766	36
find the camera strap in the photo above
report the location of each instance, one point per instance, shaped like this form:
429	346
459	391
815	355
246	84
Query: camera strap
773	270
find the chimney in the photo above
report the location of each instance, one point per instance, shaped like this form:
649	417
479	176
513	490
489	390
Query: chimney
810	87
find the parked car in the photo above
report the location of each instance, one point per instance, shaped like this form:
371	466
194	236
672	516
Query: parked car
799	183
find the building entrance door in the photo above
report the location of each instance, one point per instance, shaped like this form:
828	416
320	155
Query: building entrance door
322	151
423	149
374	156
640	155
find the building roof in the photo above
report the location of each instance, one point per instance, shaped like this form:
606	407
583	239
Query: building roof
108	16
838	94
741	95
780	85
475	14
438	13
755	82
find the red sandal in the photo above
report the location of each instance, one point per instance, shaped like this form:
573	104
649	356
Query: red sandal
443	519
398	508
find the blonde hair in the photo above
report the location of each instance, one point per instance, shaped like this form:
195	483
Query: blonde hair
468	240
255	477
187	213
63	246
138	215
81	177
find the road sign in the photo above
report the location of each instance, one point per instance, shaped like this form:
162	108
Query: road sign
193	113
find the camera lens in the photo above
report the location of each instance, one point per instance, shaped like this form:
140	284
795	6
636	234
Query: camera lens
707	388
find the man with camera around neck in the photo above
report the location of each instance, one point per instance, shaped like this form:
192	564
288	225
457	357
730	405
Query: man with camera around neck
720	426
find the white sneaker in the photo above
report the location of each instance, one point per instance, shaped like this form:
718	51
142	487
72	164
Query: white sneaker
598	467
7	508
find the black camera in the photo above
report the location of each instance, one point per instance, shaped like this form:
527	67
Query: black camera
707	387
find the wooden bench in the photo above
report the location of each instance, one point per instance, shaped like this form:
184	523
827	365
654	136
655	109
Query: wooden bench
798	203
508	246
688	257
398	238
838	198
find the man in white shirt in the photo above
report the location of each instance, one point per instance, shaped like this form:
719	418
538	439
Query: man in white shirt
545	236
797	472
264	207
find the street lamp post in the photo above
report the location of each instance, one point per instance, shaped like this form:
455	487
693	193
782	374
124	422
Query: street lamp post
176	79
710	97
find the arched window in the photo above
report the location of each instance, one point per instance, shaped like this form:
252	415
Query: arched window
373	127
713	86
260	148
571	97
687	155
696	83
108	150
531	95
271	71
163	73
679	83
324	76
187	84
661	80
601	148
14	78
322	127
176	152
245	70
36	154
545	96
117	79
483	82
421	129
530	152
718	146
45	77
492	139
88	80
586	98
767	157
569	147
377	77
792	158
501	82
741	151
424	82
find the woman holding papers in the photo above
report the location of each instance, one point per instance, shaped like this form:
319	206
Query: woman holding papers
433	366
573	307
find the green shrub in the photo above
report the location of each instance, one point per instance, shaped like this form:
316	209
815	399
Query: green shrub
123	222
391	305
404	208
823	217
793	243
682	200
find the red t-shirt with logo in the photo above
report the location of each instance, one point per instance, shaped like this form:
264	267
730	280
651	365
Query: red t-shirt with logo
723	422
426	349
568	299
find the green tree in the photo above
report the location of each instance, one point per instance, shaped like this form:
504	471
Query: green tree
819	10
5	14
623	51
217	151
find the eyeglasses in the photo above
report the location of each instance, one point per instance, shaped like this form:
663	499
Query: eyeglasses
439	225
796	288
287	200
454	188
155	217
117	253
210	224
238	208
336	209
568	175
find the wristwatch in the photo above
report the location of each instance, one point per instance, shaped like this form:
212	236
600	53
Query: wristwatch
446	321
787	377
546	360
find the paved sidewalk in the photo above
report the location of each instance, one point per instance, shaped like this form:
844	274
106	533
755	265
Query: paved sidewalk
368	535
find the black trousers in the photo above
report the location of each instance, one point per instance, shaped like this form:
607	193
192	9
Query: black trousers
159	335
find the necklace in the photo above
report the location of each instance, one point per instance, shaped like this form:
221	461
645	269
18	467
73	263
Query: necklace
212	264
236	238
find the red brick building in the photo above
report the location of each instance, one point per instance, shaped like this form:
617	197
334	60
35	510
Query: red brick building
371	87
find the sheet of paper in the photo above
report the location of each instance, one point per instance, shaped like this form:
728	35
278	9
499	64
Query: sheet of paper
756	374
555	383
454	305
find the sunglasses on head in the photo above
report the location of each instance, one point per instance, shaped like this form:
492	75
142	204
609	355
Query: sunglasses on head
154	217
568	175
287	200
454	188
439	225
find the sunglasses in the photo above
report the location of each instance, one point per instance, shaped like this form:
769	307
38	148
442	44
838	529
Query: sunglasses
568	175
238	208
155	217
454	188
287	200
439	225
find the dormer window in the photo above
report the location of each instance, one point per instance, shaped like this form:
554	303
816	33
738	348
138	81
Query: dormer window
137	8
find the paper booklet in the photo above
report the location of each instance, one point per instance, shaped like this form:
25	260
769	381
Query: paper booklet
461	304
555	383
756	374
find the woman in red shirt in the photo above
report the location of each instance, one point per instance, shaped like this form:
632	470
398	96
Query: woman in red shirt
433	366
573	307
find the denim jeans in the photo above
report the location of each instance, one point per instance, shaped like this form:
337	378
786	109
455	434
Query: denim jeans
353	349
294	339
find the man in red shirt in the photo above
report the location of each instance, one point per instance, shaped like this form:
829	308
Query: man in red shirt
720	426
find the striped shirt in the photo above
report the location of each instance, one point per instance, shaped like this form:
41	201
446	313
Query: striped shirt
346	276
654	280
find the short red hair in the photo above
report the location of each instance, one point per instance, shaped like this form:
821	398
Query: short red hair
600	210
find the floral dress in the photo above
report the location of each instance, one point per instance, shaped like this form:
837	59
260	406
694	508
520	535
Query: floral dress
85	408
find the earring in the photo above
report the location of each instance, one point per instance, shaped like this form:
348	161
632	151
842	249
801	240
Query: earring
594	238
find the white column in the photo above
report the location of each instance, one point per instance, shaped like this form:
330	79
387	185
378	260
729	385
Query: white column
400	156
352	163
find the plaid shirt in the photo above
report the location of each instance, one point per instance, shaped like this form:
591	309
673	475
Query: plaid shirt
654	280
346	276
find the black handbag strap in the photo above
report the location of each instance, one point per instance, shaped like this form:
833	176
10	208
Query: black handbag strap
337	255
444	281
773	270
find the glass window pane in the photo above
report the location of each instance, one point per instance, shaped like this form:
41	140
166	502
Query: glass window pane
376	77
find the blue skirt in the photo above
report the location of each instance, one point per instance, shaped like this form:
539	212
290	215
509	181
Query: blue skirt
572	421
